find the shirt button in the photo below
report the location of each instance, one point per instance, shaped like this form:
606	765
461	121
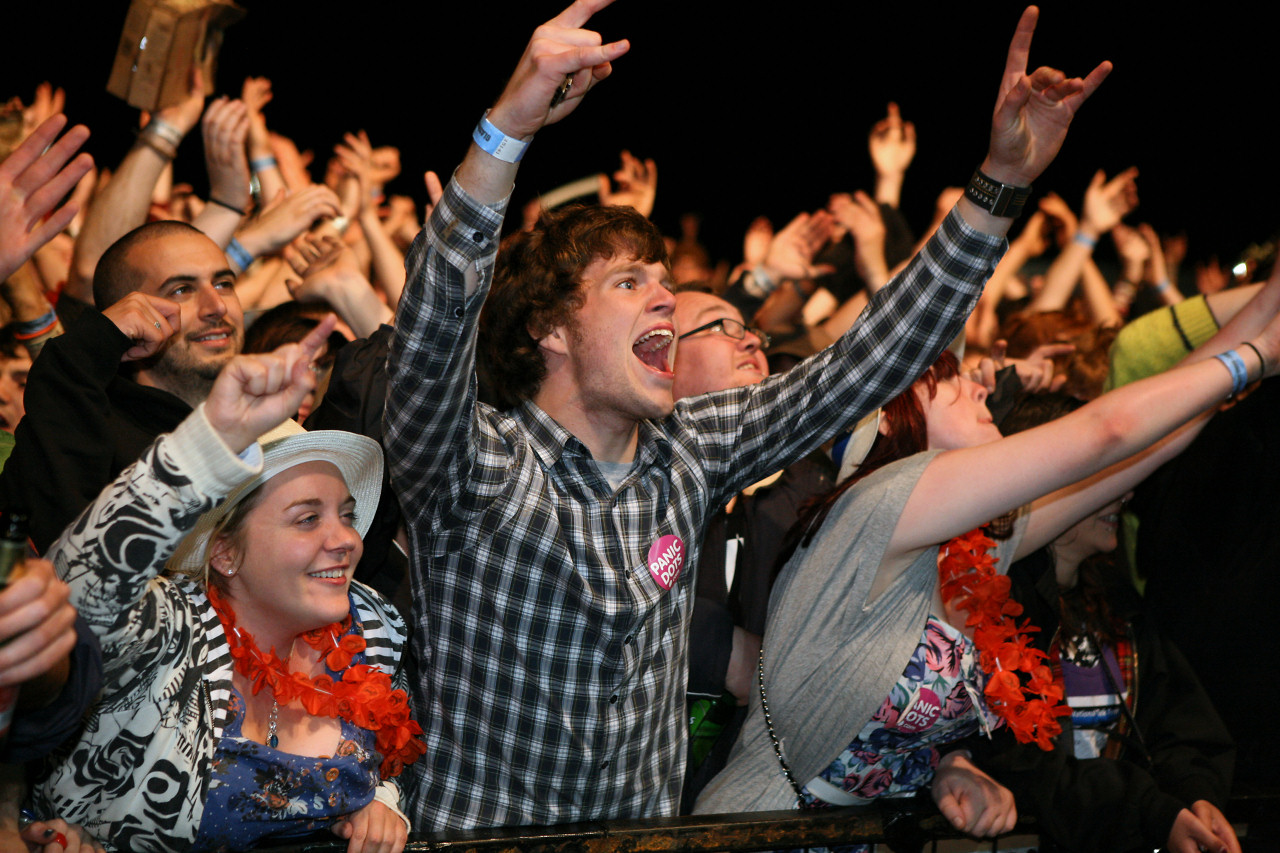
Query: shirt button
478	236
629	639
458	312
613	700
604	765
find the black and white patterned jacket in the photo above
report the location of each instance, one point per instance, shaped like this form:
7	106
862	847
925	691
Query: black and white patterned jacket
138	776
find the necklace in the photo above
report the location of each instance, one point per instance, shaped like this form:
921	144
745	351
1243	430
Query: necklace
969	581
272	740
363	695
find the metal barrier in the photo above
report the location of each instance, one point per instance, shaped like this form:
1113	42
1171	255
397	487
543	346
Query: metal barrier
904	825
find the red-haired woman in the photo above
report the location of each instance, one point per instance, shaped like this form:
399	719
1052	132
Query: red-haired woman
890	633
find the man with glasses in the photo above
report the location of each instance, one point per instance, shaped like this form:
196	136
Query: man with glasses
551	536
742	540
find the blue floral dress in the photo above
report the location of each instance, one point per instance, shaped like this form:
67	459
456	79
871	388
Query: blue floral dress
932	704
257	791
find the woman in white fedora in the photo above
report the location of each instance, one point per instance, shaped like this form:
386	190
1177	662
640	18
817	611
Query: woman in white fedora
251	694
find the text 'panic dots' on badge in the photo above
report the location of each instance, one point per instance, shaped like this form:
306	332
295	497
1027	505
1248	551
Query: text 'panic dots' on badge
666	559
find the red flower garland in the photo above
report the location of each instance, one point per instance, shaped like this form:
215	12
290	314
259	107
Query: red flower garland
966	571
364	696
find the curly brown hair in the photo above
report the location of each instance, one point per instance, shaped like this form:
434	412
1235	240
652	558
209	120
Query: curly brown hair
537	287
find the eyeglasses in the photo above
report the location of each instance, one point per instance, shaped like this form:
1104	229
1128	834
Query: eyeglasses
729	328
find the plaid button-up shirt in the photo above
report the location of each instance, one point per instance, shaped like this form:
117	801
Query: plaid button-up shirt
551	663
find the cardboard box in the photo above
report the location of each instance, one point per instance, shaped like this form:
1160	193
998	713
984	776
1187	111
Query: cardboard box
161	42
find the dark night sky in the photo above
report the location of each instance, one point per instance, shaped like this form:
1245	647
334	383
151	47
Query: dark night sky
746	113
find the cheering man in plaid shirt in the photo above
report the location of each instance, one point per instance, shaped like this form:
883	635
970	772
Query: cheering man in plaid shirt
553	540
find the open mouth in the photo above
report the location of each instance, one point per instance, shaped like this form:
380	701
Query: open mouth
329	575
651	348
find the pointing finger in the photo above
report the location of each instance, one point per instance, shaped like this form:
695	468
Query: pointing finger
579	13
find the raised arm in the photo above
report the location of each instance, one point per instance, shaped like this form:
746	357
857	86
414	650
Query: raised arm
122	204
1085	459
431	365
225	128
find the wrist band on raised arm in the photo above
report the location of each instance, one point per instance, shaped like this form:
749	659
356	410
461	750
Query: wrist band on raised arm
262	164
229	207
164	130
493	141
1085	240
1163	286
991	195
239	255
1235	365
154	144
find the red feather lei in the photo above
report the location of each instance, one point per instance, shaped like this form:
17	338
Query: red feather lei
971	583
364	695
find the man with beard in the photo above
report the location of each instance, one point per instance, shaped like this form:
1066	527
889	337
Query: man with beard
100	394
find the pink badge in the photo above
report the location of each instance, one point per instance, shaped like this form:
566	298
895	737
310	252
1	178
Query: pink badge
666	558
921	713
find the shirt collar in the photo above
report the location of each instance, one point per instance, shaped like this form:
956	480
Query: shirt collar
550	440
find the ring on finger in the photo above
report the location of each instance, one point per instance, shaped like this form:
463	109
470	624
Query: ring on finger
156	323
60	839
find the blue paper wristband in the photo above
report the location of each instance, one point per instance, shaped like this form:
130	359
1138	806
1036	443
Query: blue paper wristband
238	255
493	141
1235	365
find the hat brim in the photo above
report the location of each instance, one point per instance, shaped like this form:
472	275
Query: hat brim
357	457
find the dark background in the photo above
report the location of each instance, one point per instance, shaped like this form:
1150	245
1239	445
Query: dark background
746	112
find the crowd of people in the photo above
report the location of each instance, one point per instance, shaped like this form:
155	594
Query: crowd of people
347	517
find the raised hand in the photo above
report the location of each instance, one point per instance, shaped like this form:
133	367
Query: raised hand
355	153
225	128
861	216
637	184
559	50
286	217
256	94
1065	221
892	145
33	180
47	103
1033	111
792	249
184	114
1133	251
255	393
435	192
1107	202
755	243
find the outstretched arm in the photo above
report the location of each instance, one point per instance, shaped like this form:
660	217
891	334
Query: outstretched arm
1083	460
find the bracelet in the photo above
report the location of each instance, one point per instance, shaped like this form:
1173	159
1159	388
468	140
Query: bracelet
1163	286
1235	365
165	131
489	139
152	144
239	255
1085	240
230	207
1256	352
27	329
991	195
262	164
758	282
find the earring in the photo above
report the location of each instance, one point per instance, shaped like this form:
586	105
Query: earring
230	572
